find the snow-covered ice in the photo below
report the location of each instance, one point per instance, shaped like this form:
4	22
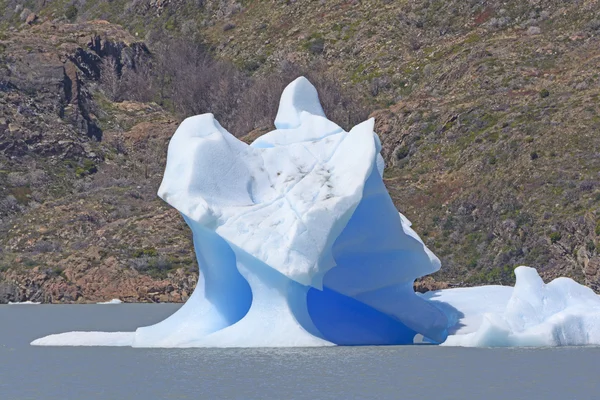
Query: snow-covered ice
299	244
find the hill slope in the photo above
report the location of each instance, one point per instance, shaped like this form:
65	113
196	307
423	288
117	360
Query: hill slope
80	217
487	110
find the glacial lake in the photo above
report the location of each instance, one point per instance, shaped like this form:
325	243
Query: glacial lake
412	372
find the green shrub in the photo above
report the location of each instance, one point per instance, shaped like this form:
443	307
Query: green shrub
71	12
544	93
496	275
315	43
88	168
555	237
28	262
590	246
402	152
147	252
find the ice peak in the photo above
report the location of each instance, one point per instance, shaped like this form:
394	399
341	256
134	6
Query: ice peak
298	97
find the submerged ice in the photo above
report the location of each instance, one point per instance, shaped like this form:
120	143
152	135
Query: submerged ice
299	244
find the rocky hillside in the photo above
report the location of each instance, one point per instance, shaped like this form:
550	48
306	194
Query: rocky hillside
80	217
487	110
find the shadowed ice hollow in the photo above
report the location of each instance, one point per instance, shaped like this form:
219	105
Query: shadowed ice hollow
299	244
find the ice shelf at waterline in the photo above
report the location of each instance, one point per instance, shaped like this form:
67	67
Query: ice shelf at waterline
299	244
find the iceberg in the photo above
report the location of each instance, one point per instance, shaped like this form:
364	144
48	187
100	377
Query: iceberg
299	244
113	301
298	241
533	314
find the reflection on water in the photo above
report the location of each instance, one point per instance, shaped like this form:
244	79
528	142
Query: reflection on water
412	372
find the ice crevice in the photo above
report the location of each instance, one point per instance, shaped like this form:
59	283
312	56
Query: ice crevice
299	244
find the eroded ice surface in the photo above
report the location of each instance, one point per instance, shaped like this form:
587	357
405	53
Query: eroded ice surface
560	313
299	244
465	307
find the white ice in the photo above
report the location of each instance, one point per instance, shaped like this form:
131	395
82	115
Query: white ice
23	303
465	307
300	244
113	301
560	313
119	339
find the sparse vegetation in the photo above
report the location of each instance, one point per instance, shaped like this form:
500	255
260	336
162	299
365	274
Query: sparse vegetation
147	252
495	276
315	44
71	12
487	128
555	237
402	152
186	79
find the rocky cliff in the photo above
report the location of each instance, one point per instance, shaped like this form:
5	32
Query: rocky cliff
80	219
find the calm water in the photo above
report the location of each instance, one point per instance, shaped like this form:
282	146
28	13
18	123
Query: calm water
423	372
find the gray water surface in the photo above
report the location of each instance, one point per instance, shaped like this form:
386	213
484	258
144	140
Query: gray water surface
415	372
